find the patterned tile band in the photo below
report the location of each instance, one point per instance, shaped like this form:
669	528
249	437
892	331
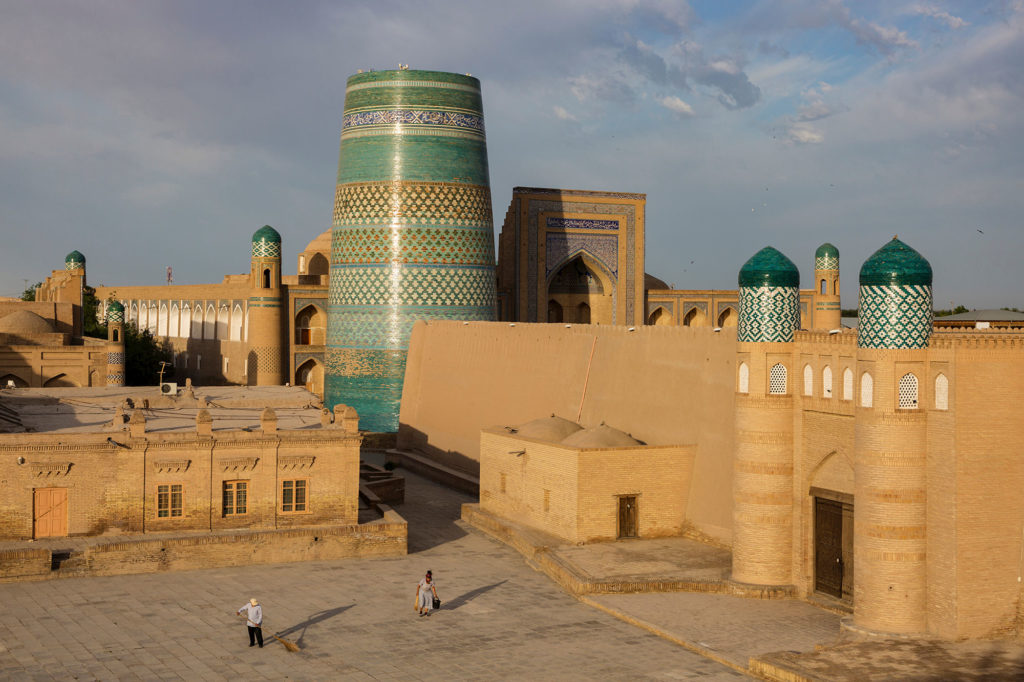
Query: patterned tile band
768	314
411	285
441	245
72	265
115	379
266	249
115	358
413	203
556	223
826	263
355	87
412	117
894	316
115	316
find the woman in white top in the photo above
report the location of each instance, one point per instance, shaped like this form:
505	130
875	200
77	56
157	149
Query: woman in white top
425	595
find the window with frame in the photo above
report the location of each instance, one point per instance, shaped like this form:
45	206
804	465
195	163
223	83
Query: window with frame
169	500
941	392
847	384
867	387
777	379
235	497
826	382
908	392
744	378
293	495
808	380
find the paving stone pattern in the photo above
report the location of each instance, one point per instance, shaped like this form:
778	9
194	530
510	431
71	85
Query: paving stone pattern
353	619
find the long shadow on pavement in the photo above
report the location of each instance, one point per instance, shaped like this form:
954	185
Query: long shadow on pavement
431	511
318	617
464	599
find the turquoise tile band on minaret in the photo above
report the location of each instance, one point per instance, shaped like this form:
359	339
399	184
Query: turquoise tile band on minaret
895	309
769	298
412	236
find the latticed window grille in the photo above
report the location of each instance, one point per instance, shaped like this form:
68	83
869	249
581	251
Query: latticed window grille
777	379
847	384
744	378
808	380
826	382
908	392
941	392
867	388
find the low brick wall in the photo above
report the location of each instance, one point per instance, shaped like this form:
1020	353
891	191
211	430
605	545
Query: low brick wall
386	537
24	564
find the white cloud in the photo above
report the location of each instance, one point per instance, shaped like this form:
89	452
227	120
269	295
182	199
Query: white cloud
804	133
562	114
935	13
676	105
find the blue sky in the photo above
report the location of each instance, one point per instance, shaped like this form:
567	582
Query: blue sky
165	133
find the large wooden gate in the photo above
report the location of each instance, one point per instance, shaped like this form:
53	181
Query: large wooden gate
50	513
833	548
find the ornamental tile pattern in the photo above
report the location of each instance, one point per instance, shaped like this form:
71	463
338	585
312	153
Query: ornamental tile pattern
563	246
462	87
375	327
419	285
768	314
894	316
115	379
557	223
413	203
826	262
115	316
391	118
115	358
266	249
443	245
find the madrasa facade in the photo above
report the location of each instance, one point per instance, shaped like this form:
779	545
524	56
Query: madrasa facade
879	465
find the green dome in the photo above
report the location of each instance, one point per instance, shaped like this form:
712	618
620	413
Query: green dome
115	307
896	264
769	267
826	249
266	234
74	257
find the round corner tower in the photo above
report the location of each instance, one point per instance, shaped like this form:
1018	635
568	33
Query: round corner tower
890	441
763	463
264	362
827	306
412	236
115	344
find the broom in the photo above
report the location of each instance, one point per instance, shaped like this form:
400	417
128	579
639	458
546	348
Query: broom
290	646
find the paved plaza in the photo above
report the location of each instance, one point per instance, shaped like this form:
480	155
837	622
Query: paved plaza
353	619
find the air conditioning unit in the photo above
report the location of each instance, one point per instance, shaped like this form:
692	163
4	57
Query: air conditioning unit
169	388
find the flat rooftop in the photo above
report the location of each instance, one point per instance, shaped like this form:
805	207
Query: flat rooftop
92	410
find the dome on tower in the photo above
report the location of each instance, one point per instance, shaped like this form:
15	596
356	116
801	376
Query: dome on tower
826	250
75	258
115	312
896	264
769	267
266	234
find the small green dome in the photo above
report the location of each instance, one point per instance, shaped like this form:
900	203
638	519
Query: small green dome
74	257
115	307
896	264
266	234
769	267
826	249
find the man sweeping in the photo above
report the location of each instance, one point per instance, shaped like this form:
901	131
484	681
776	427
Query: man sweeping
254	619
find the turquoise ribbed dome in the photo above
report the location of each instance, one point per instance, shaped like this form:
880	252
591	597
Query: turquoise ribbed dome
896	264
769	267
74	257
826	249
266	234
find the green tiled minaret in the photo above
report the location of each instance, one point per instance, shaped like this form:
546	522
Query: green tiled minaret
769	298
413	236
895	309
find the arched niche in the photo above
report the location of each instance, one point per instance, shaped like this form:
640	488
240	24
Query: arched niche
582	279
728	317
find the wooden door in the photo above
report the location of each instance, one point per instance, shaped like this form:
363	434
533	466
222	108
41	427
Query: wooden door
828	547
50	517
627	516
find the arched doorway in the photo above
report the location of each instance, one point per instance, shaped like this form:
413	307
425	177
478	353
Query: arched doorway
584	289
728	318
318	265
310	374
12	381
60	381
554	311
310	327
660	318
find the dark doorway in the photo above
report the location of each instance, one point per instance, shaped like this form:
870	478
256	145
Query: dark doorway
833	548
627	516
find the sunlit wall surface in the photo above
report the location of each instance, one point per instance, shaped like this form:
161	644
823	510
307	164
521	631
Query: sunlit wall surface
413	236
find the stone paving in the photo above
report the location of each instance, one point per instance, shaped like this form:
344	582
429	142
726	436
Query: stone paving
353	619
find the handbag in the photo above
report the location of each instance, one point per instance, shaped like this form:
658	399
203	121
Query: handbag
437	603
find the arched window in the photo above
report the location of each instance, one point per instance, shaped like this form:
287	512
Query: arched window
824	286
210	323
908	392
847	384
826	382
236	323
554	311
867	387
777	379
186	321
117	336
744	378
808	380
161	325
583	313
266	278
941	392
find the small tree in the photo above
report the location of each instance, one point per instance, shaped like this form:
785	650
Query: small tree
143	354
30	293
91	324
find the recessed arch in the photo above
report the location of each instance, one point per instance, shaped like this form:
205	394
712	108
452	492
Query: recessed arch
236	322
318	265
210	322
826	382
61	380
728	317
161	321
310	374
581	278
310	325
10	378
695	317
660	317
